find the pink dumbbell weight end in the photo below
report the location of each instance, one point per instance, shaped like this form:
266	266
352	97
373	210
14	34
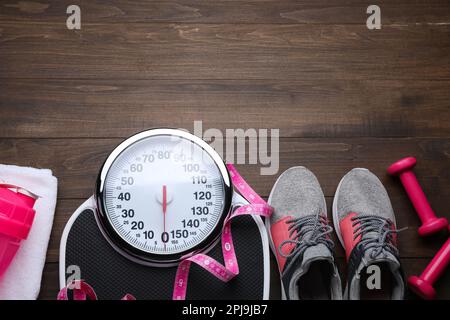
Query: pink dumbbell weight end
430	223
423	285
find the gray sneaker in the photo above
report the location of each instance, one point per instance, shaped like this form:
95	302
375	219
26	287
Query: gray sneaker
365	225
300	240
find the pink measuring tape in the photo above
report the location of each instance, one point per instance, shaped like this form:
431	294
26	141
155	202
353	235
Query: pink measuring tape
228	271
82	290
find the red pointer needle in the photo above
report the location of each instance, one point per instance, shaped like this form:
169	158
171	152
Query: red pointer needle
164	205
164	199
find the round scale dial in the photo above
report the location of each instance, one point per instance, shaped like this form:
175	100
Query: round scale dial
163	195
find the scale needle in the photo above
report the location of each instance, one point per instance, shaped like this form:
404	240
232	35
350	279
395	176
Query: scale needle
164	207
164	199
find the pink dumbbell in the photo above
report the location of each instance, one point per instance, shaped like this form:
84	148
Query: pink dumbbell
430	223
423	285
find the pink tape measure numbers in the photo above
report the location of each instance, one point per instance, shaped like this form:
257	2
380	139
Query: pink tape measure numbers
228	271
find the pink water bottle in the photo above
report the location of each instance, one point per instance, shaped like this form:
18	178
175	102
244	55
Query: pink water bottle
16	217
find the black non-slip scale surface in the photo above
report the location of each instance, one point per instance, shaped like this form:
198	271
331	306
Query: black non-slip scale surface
112	275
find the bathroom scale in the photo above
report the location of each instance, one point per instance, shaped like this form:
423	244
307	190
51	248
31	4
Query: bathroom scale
162	196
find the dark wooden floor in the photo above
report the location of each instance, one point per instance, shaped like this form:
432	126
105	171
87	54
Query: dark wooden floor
342	96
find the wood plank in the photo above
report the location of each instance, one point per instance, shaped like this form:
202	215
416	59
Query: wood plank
76	161
50	282
214	51
300	108
223	11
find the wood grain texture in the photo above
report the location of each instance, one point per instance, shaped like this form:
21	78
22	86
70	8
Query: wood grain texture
212	51
300	108
225	11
